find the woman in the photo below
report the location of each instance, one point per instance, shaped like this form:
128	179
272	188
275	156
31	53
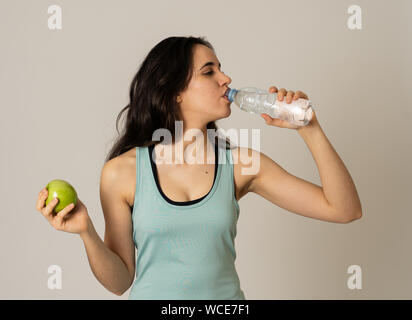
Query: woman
182	217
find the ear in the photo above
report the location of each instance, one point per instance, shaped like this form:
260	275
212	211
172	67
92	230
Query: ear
179	99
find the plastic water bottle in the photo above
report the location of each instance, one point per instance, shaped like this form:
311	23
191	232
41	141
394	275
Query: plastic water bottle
254	100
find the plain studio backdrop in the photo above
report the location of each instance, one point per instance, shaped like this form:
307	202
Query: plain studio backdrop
61	91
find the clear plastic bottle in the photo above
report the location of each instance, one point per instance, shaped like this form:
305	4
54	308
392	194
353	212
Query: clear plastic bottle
254	100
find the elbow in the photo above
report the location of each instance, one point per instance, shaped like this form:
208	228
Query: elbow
122	291
352	218
119	293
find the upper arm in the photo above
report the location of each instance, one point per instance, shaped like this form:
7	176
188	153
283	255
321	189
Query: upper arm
118	234
290	192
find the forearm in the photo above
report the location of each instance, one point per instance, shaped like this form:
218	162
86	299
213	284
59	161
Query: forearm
106	265
338	186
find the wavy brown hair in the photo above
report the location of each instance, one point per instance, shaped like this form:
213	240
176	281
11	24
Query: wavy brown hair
164	73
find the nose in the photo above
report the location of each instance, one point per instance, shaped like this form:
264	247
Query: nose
226	79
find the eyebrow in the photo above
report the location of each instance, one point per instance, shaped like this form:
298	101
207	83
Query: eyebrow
208	64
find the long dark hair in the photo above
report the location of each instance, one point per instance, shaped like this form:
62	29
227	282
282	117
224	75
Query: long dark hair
163	74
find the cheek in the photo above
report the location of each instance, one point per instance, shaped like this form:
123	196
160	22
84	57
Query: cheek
208	100
204	98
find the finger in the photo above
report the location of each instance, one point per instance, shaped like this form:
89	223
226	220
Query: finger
42	191
48	210
41	198
289	96
299	94
59	218
272	121
273	89
267	118
281	94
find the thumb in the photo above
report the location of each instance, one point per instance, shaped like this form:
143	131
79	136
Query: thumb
269	120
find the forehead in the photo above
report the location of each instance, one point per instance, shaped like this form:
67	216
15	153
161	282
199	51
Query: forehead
203	54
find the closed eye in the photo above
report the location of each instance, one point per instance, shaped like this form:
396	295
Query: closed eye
211	72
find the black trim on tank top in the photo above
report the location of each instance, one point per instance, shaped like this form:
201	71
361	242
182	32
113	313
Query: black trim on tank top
180	203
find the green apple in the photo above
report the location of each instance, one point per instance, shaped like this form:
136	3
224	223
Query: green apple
64	191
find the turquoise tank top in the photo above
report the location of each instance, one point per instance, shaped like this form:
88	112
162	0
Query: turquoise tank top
185	250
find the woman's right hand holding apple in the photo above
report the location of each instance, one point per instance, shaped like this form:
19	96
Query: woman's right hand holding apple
67	219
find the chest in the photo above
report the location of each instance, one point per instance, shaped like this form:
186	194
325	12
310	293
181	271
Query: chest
186	183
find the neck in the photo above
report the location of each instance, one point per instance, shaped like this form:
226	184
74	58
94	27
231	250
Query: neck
192	146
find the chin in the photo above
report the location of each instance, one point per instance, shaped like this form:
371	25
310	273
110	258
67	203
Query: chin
226	114
222	113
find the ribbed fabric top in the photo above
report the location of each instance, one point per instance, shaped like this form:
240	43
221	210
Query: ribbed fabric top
185	250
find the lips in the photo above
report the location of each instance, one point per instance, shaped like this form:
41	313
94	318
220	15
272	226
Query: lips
224	93
224	97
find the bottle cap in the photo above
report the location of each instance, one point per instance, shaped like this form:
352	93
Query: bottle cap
230	94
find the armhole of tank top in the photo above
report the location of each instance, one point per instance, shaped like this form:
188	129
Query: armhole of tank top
138	181
232	175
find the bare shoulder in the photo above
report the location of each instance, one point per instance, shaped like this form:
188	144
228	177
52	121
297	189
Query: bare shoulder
122	171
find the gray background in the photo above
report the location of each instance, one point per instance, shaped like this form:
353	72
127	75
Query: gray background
62	90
